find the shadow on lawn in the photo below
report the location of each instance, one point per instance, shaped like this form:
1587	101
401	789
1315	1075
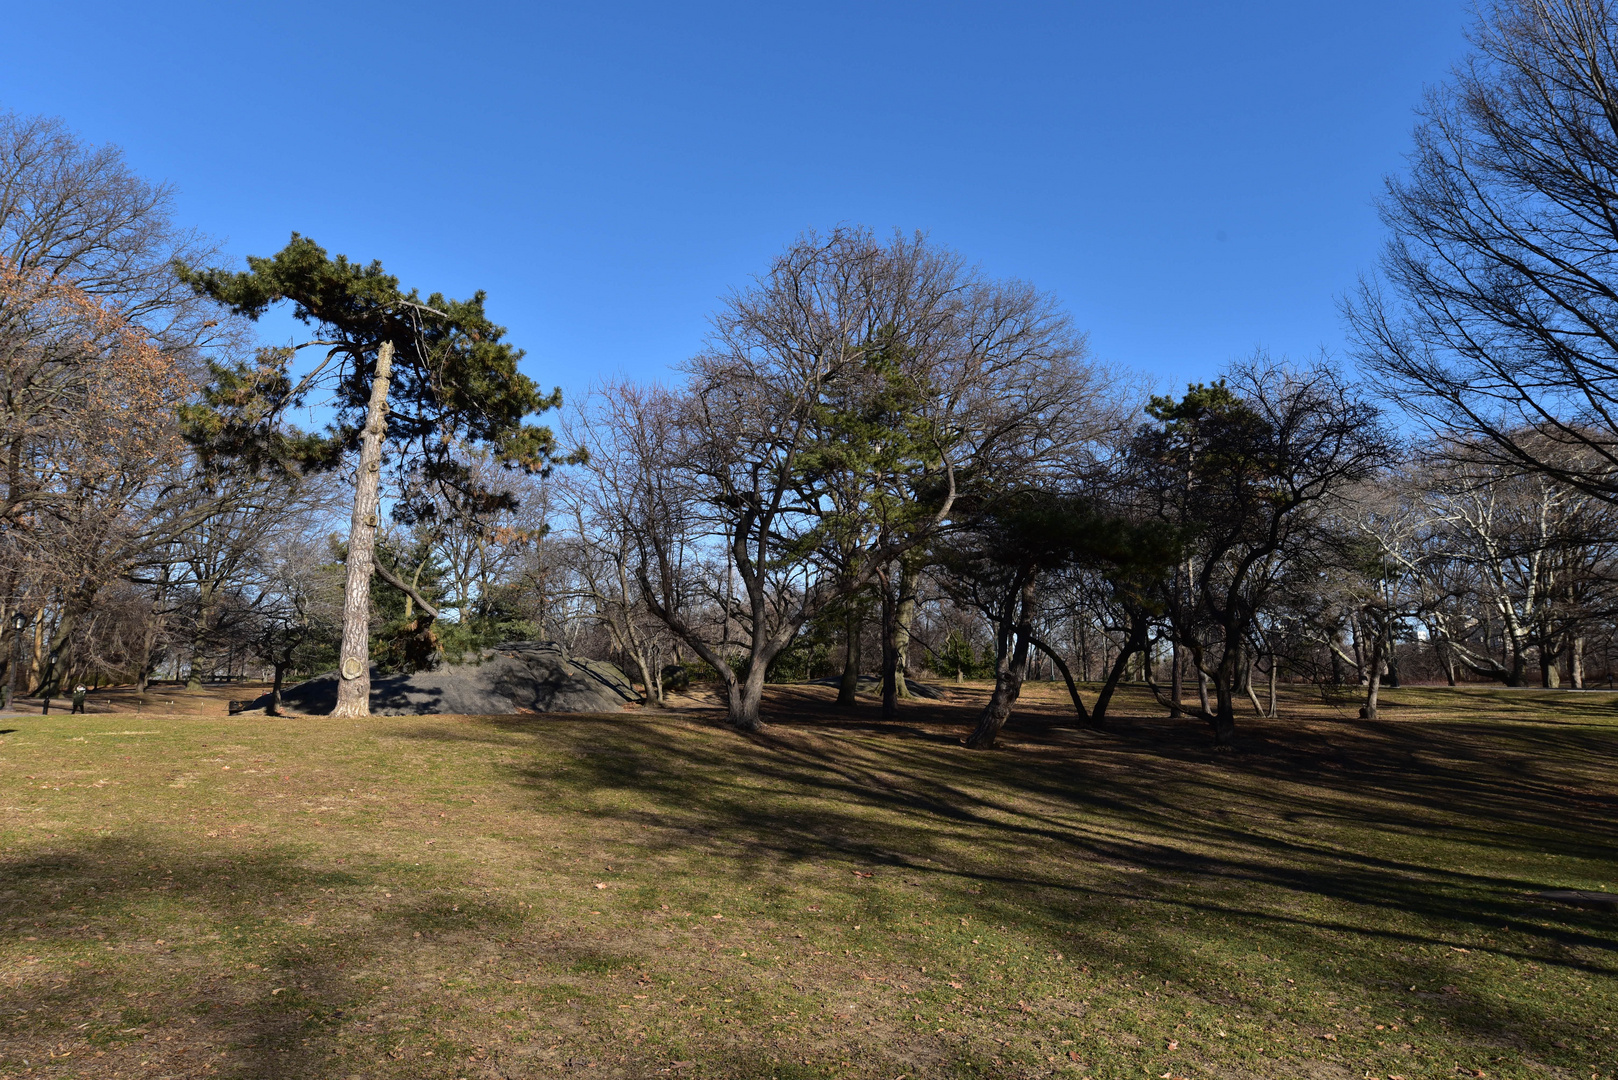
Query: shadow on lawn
169	1008
1362	853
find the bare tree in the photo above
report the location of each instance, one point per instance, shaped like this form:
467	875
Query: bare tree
79	214
1500	315
821	436
298	609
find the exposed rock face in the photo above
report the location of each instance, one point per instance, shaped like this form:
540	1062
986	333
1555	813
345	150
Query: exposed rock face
518	676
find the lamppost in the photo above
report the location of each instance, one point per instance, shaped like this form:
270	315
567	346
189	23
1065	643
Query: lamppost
46	681
17	623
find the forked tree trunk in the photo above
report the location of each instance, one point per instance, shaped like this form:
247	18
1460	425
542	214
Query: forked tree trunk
1008	677
654	693
744	698
354	687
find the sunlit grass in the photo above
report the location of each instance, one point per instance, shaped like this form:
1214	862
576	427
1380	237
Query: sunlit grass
647	895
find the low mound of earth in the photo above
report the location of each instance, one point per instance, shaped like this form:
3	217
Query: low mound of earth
870	684
516	677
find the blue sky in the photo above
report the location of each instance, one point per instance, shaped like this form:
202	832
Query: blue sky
1191	180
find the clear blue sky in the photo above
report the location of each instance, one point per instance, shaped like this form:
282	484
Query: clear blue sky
1192	180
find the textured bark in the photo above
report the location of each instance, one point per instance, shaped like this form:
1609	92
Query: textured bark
354	687
1176	683
1373	685
653	694
1372	690
907	617
274	708
148	639
14	672
847	692
890	654
199	636
745	695
1008	679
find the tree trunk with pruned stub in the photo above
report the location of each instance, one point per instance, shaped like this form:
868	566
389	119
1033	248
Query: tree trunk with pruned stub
354	688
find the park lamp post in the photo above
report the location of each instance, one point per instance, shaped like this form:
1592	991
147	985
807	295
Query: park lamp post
45	682
17	623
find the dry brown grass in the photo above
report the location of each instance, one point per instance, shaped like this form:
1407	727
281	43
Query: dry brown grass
649	895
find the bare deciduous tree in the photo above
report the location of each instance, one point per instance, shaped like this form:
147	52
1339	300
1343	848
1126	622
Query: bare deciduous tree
1500	316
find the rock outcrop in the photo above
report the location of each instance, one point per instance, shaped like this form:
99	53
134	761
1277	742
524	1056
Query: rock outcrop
515	677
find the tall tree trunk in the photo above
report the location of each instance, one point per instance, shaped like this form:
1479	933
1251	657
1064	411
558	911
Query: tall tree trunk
354	687
847	692
1224	685
1272	686
1176	683
36	668
1224	715
1008	676
907	617
890	652
1576	662
1512	644
60	657
1252	696
1373	685
148	639
1372	690
199	636
275	690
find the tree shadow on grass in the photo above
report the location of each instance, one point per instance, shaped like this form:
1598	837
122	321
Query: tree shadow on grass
1376	855
140	959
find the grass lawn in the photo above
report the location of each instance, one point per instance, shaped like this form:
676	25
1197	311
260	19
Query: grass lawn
647	895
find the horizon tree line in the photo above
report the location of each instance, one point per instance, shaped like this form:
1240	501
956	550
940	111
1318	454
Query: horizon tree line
882	462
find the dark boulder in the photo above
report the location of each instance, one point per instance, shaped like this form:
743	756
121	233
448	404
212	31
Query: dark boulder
515	677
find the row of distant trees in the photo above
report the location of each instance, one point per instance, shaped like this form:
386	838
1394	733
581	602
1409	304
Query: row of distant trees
884	461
